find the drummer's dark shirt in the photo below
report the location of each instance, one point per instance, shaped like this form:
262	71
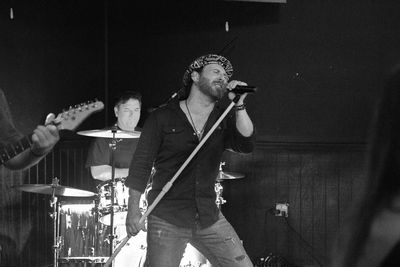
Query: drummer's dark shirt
167	140
100	153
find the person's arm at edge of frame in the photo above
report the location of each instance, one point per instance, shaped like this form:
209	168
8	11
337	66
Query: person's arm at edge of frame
44	139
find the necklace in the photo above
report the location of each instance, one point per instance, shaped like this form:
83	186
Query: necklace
198	133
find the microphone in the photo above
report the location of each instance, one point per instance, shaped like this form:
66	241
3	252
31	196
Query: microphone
242	89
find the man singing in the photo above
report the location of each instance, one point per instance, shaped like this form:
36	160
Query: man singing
188	213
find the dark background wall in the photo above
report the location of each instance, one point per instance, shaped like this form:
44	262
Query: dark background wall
52	57
319	66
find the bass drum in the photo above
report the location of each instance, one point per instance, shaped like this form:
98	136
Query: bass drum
193	258
133	254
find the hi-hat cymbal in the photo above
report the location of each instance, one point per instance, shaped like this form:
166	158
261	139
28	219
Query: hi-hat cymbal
107	133
59	190
228	176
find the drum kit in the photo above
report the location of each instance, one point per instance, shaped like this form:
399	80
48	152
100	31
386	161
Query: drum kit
88	226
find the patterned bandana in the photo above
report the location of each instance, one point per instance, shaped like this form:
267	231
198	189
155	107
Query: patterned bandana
203	61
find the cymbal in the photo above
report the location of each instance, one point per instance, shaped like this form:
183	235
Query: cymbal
107	133
59	190
228	176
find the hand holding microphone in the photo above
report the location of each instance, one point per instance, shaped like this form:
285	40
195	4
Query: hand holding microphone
239	88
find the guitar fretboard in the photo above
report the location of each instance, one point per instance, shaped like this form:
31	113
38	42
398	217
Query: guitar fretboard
9	151
66	120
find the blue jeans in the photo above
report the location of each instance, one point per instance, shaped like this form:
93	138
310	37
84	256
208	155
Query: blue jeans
219	243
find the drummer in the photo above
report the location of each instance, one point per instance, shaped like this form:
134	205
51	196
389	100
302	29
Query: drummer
127	109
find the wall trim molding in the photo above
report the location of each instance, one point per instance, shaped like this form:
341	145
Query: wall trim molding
262	144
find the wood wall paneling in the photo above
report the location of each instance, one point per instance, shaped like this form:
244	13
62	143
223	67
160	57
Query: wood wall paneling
318	181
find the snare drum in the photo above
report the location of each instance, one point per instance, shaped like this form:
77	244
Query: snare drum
121	196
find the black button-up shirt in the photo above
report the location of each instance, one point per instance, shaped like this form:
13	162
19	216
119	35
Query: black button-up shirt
166	142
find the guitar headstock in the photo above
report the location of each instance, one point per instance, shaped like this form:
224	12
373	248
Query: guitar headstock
71	118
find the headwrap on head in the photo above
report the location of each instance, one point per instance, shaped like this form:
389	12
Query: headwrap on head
203	61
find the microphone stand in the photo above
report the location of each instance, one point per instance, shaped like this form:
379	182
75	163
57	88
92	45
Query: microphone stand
166	102
113	147
168	185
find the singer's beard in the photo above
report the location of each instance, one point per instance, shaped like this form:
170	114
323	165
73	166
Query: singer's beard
215	90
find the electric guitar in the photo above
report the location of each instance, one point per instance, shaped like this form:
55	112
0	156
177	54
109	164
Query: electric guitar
66	120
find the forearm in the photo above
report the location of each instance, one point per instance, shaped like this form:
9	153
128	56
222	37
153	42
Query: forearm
133	224
134	200
243	123
24	160
103	172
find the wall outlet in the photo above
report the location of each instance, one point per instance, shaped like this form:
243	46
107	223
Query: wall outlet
282	209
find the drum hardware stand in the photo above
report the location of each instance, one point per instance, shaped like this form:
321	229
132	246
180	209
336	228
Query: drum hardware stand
218	189
220	200
55	217
169	184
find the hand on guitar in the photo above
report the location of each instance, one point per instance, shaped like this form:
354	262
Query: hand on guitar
30	149
45	137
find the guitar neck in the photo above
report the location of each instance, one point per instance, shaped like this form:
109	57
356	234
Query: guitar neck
66	120
11	150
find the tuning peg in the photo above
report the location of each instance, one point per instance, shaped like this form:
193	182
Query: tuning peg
221	164
66	111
